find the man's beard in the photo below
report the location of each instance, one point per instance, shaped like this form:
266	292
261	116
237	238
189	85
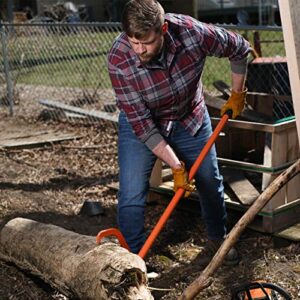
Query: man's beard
146	58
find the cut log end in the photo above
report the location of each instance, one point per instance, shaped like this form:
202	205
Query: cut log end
73	263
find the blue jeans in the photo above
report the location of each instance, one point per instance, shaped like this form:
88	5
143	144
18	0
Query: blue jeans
136	162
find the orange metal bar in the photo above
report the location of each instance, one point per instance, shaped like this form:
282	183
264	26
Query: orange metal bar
208	145
179	193
115	232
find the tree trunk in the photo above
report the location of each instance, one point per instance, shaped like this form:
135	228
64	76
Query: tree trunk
73	263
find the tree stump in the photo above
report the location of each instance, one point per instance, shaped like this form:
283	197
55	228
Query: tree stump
73	263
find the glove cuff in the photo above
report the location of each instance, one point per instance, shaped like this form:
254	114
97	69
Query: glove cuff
239	94
180	170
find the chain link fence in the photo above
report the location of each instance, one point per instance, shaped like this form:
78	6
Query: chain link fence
267	78
57	64
59	71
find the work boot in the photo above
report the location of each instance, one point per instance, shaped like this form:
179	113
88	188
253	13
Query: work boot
210	249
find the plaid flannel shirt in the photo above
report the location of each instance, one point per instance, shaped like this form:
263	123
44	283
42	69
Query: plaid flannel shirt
169	87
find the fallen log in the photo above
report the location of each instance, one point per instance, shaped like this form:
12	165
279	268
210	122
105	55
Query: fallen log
73	263
205	278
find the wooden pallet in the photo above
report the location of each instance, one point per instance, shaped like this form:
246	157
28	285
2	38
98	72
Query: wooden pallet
278	144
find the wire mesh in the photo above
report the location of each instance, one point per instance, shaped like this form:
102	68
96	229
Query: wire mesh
66	64
62	63
267	77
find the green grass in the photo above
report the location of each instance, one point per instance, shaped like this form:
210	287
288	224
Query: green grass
81	73
74	60
51	46
216	69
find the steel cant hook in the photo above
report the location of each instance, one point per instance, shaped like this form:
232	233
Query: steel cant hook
112	232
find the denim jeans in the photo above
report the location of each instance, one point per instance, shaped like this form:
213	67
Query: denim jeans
136	162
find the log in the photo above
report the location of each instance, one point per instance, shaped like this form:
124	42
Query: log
205	279
73	263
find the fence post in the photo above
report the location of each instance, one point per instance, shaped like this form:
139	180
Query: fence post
9	83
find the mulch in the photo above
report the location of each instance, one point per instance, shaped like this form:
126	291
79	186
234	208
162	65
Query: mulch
49	183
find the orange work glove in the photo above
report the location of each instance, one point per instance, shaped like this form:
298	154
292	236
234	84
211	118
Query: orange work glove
236	103
181	180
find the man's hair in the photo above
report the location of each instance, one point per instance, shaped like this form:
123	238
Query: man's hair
141	16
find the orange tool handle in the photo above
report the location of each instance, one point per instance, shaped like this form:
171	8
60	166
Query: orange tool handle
179	193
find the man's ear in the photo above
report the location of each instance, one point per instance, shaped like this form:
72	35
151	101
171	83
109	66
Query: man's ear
165	27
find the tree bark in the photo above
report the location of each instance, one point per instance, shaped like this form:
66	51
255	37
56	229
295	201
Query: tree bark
204	280
73	263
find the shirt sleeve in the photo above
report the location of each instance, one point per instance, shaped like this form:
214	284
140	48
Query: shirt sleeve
239	66
216	41
131	102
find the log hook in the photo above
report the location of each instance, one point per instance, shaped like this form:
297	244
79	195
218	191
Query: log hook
116	233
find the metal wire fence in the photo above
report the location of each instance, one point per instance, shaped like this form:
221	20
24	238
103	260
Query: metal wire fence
59	71
61	63
268	83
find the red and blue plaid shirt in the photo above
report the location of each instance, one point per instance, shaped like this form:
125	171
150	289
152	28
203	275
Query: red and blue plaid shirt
169	88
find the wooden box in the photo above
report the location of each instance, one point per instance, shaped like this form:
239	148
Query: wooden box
280	150
264	150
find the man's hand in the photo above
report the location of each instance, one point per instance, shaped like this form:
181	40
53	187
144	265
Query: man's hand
236	103
181	180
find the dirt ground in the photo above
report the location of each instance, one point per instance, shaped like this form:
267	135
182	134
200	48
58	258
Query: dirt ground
49	183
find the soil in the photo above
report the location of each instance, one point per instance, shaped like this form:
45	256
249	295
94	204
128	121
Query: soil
50	182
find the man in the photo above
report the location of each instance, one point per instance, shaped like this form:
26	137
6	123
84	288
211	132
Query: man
155	67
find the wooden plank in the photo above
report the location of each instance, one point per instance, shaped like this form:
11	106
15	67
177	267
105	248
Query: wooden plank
248	166
262	103
113	186
275	154
156	175
293	190
248	114
96	114
166	174
240	185
282	148
278	127
291	233
23	139
278	97
289	12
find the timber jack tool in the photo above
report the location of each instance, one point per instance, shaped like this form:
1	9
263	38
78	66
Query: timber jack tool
171	206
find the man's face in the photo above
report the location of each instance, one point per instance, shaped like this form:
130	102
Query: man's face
149	46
